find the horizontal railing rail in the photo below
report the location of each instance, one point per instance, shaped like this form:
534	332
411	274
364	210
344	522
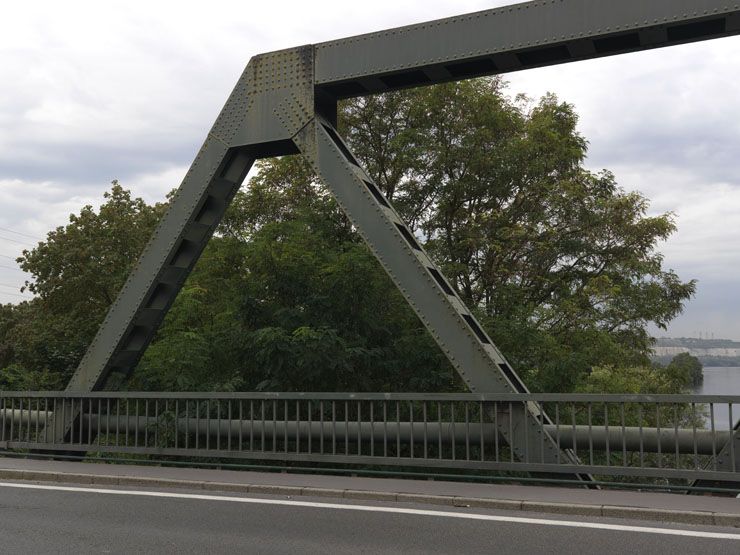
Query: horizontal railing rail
683	437
318	396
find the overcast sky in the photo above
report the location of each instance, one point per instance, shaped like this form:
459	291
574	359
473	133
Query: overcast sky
96	91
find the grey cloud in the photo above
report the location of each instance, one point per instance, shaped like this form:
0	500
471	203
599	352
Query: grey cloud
714	310
705	151
75	164
92	94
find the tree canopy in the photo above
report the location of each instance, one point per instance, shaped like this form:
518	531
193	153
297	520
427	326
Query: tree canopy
689	368
561	264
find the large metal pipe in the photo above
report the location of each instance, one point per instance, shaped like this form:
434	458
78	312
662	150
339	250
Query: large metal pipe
650	440
18	416
630	438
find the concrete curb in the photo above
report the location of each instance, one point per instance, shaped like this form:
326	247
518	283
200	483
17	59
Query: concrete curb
611	511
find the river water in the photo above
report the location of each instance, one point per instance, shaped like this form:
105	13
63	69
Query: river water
721	381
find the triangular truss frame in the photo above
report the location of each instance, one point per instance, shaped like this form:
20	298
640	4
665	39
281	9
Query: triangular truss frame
286	103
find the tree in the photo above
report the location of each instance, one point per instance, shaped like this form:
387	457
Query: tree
83	265
8	320
76	274
561	264
690	369
274	304
640	380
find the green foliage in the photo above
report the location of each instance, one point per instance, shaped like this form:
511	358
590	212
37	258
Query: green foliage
657	380
689	368
290	300
9	315
637	380
561	264
76	273
17	378
80	268
643	380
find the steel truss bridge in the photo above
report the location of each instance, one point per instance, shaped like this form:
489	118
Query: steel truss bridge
285	103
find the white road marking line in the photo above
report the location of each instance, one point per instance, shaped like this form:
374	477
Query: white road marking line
394	510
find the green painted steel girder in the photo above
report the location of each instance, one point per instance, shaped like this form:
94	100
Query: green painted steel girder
516	37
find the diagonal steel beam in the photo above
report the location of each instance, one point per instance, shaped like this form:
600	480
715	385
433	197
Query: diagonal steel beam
248	127
728	458
477	360
165	264
480	364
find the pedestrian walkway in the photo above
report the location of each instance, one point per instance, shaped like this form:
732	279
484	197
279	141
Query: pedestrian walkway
665	507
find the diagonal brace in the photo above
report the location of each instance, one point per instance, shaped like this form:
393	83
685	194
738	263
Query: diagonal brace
453	326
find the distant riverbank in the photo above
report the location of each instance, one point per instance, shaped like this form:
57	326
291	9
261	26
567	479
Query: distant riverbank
724	353
708	361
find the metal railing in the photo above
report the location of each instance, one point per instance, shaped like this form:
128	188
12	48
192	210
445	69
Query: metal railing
677	436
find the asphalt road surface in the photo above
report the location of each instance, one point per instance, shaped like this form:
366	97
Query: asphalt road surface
52	519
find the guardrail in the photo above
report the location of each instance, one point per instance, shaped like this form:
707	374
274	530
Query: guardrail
669	436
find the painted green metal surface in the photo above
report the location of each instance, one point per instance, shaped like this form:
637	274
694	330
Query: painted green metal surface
516	37
455	329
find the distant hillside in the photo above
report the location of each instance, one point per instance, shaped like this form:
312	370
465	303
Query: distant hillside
711	352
